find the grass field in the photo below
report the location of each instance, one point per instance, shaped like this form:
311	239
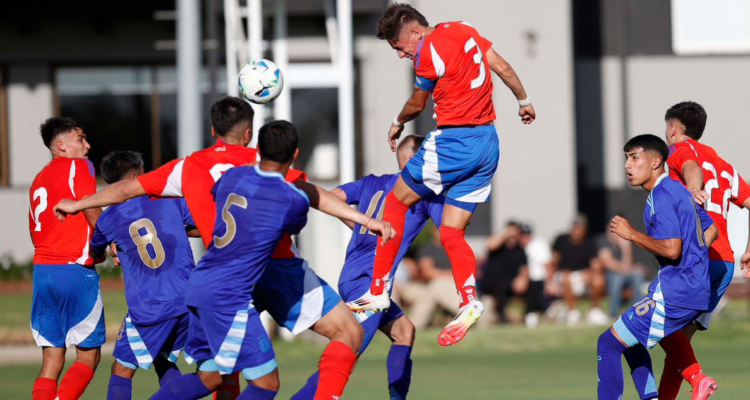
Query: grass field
551	362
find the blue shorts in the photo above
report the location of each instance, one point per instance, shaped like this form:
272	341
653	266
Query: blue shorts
138	345
66	307
371	321
293	294
458	163
649	321
229	341
721	273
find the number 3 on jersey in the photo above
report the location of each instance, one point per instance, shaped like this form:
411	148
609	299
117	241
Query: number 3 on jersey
478	81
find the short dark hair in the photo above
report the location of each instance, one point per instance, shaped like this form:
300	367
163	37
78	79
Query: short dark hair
277	141
414	142
57	125
692	115
229	112
648	142
116	165
395	17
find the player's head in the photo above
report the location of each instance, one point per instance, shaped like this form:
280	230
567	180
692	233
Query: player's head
278	142
232	118
645	157
407	149
685	119
119	165
403	27
65	137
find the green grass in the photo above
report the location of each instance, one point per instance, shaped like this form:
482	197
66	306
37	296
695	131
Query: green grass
551	362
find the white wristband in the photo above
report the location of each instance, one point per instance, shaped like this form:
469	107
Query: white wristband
524	103
395	122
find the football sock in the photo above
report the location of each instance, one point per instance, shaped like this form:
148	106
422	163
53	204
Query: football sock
230	389
463	262
308	391
609	367
336	364
671	380
394	211
399	371
185	387
642	372
680	358
253	392
166	372
119	388
692	373
44	389
74	381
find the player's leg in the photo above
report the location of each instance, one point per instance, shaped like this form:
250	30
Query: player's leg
260	388
120	382
45	385
642	371
46	328
401	331
609	365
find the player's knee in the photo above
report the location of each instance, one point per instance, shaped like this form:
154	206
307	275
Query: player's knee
403	332
269	381
89	356
355	334
211	380
121	370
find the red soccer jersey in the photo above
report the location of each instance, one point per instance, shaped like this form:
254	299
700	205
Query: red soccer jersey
65	242
721	181
193	177
453	57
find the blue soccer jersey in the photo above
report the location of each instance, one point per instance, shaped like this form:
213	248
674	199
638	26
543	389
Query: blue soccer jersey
670	212
369	193
154	251
253	210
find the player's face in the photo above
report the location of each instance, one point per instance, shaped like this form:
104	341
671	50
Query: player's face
673	126
638	167
75	144
406	45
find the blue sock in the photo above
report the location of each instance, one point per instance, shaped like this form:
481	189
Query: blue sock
253	392
308	391
185	387
119	388
609	368
166	371
399	371
643	374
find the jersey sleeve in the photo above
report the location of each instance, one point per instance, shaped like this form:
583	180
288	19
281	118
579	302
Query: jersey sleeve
165	181
424	66
296	218
740	191
294	175
84	180
483	43
353	191
99	241
666	221
706	220
187	218
680	154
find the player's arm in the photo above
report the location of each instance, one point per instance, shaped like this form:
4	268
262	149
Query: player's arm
328	203
92	215
342	195
113	194
668	248
693	175
711	234
98	246
508	75
413	107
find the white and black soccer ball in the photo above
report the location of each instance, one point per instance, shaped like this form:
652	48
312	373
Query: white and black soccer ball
261	81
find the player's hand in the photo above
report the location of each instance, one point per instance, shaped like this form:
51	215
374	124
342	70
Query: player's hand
382	229
745	264
527	114
621	227
700	196
64	208
393	134
113	254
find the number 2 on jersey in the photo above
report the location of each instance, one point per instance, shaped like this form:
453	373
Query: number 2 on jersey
723	207
40	194
478	81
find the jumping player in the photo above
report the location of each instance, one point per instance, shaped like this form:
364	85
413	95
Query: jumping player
66	307
255	209
368	194
713	183
680	292
156	259
452	61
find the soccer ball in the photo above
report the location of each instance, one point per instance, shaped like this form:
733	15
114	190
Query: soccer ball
261	81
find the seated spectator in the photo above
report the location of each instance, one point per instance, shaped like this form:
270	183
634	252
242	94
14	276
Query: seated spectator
616	254
501	278
574	257
539	263
432	286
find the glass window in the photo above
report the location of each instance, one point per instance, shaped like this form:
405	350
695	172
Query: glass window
316	116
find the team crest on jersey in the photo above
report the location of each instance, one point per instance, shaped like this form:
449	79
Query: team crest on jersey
264	344
122	331
222	148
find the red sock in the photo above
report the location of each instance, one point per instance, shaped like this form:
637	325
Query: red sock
692	373
335	366
44	389
230	389
671	380
74	381
463	262
394	212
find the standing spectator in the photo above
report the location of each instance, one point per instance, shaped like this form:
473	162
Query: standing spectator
616	254
539	262
575	260
502	278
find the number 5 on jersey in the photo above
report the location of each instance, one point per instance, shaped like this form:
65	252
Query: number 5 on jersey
229	221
